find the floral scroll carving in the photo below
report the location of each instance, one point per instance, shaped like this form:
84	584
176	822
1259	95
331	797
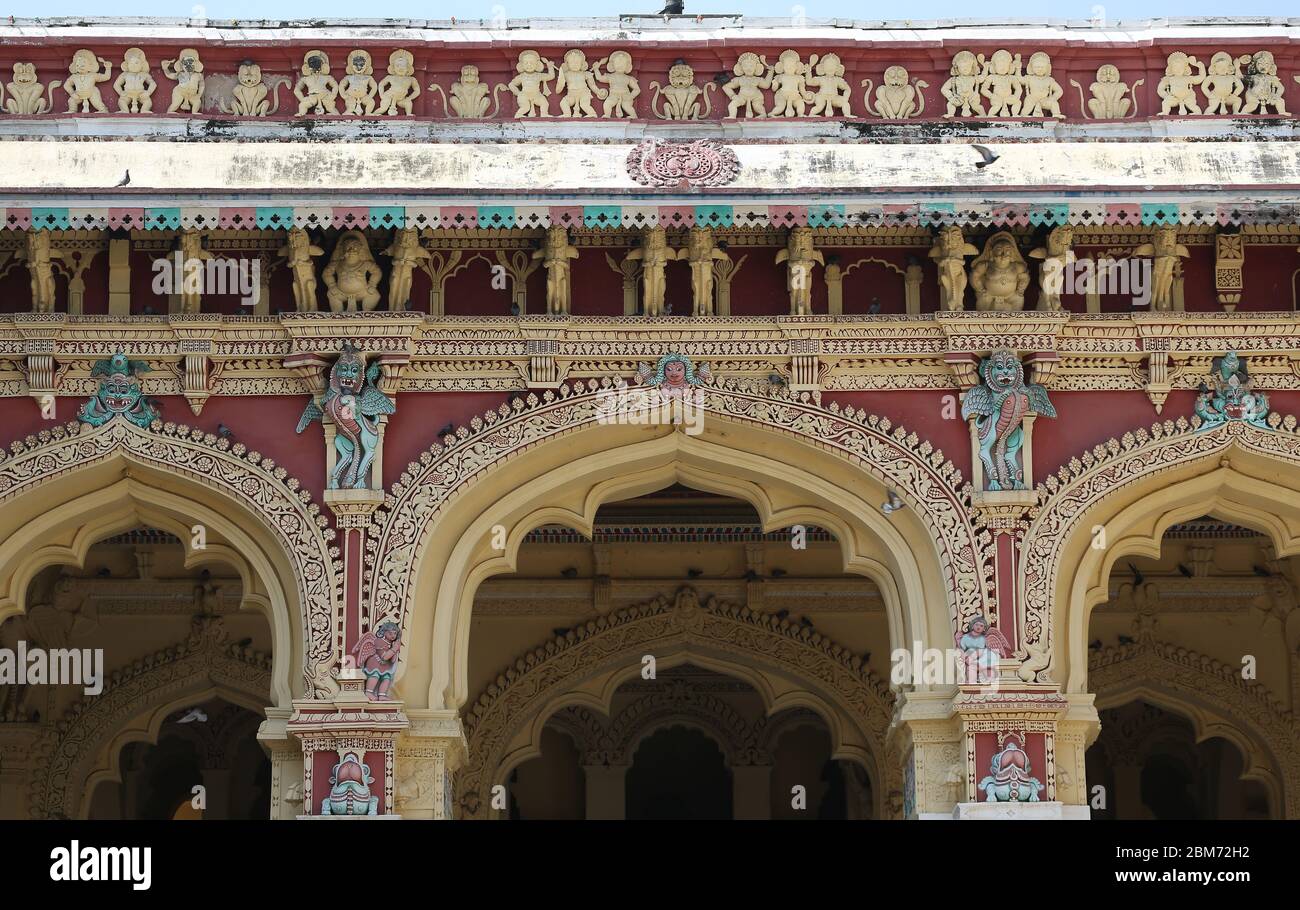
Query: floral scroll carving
703	162
1066	499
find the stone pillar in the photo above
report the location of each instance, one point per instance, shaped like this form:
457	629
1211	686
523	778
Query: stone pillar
286	765
333	730
216	785
751	792
119	277
953	740
428	754
606	792
834	276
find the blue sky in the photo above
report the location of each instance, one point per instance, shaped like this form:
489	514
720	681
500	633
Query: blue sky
813	9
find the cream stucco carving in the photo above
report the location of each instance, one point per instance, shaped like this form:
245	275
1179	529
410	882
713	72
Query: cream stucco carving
962	88
789	79
1002	83
1057	257
190	246
1108	101
833	95
357	87
623	87
745	89
800	258
407	255
316	90
26	93
1263	88
702	252
577	83
681	97
1165	251
186	70
134	85
298	252
999	275
1042	92
531	85
1223	84
40	255
654	254
399	88
469	97
85	73
1177	88
896	99
949	252
555	254
352	276
250	94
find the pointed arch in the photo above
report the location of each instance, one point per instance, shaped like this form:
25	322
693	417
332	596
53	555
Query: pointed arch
1134	489
793	460
71	486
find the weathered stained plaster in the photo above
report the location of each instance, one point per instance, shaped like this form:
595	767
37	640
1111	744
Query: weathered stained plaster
350	168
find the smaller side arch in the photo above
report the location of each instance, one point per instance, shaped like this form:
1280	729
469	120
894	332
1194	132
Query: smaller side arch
86	743
1217	702
716	635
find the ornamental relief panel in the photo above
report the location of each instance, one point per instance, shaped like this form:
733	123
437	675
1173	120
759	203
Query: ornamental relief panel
546	82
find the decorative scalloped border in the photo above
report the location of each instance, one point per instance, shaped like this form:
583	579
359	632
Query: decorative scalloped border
400	527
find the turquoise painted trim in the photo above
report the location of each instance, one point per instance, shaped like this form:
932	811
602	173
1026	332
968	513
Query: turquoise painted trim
602	216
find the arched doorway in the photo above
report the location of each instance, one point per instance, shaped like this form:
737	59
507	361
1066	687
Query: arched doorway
692	744
1152	767
678	774
460	515
206	764
181	674
760	644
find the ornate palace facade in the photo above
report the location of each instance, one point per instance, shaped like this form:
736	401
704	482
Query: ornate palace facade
610	418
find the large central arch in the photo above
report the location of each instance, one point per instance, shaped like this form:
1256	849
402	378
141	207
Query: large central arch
794	461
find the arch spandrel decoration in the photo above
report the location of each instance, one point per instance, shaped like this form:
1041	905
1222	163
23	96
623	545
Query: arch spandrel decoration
66	756
533	683
1216	700
889	455
1067	500
250	481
